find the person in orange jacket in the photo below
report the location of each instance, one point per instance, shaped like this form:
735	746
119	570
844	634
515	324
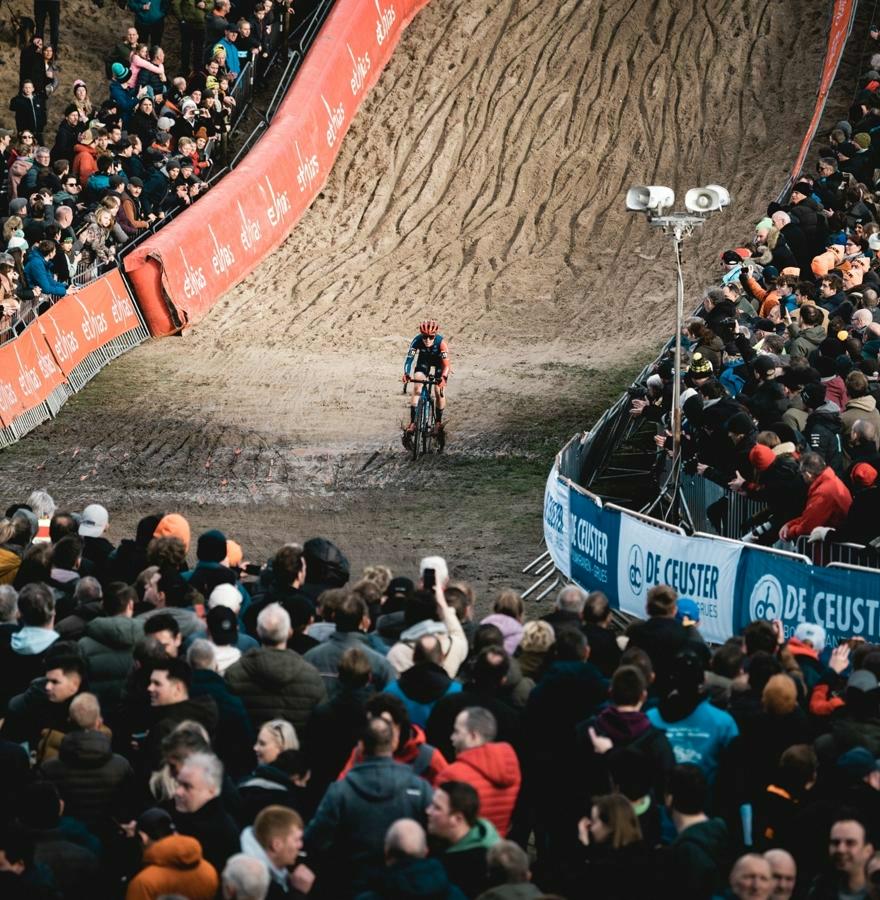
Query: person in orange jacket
828	499
173	863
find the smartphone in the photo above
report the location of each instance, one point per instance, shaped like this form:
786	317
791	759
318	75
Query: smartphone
429	579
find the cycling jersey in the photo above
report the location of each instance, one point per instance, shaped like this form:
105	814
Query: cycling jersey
435	357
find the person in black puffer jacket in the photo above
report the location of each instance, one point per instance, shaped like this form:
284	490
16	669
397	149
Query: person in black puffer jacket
95	783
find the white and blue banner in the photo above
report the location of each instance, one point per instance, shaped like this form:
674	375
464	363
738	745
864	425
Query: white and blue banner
733	583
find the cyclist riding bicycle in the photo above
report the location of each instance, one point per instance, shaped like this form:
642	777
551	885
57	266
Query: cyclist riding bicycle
429	353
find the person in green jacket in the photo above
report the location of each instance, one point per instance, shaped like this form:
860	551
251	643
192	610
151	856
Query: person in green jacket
190	15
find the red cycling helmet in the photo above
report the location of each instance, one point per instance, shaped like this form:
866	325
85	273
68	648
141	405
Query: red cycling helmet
428	327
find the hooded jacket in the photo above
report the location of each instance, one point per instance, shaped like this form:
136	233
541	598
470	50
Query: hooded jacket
250	846
21	660
493	771
697	731
108	646
453	643
327	656
10	562
698	861
864	408
420	688
356	812
823	433
276	684
805	340
174	865
412	879
95	782
510	628
828	503
465	861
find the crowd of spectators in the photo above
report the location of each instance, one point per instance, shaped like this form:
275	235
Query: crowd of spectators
211	728
128	152
780	381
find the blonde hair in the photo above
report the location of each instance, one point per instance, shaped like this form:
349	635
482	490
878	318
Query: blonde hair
779	696
509	603
283	732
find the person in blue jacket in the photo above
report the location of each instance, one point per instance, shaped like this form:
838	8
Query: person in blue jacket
227	42
125	98
38	271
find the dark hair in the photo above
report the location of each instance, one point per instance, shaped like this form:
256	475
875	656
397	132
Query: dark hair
491	667
394	706
377	737
118	596
61	523
287	564
661	600
161	622
422	607
463	799
36	604
762	667
487	635
810	315
428	650
728	659
635	656
627	686
571	645
177	669
759	635
350	614
65	655
688	789
354	668
173	587
67	552
797	768
596	608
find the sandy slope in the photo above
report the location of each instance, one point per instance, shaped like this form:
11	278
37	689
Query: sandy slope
482	184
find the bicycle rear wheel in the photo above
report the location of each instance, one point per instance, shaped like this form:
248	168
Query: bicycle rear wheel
417	438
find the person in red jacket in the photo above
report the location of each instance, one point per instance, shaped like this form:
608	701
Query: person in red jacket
828	499
489	766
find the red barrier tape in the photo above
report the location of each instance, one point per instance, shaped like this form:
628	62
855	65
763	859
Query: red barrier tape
179	273
841	25
36	362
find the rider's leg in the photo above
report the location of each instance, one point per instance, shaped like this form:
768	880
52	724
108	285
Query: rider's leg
441	403
414	401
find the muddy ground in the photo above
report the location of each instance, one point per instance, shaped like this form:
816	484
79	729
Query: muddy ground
482	184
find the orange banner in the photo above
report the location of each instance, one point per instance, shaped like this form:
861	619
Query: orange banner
178	274
28	374
838	32
81	323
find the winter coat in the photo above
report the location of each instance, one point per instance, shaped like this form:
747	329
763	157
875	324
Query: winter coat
804	340
510	628
235	734
188	11
356	812
155	13
507	716
697	862
276	684
799	244
823	434
782	489
84	163
453	643
493	771
270	786
213	828
768	403
108	648
30	113
412	879
864	408
808	216
22	660
661	638
465	861
10	562
862	524
94	782
828	503
39	274
334	729
174	865
327	656
420	688
164	719
65	141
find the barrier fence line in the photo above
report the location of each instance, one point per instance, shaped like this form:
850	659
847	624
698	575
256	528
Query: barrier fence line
59	353
178	273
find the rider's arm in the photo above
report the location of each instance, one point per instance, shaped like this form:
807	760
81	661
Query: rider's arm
444	355
410	356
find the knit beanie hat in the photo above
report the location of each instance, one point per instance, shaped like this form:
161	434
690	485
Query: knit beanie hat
120	72
863	474
174	525
803	187
761	457
740	423
764	225
226	595
211	546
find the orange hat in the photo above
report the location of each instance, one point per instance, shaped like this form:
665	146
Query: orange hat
864	474
742	252
761	457
174	525
234	553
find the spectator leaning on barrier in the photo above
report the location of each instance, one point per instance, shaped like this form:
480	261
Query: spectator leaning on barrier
828	500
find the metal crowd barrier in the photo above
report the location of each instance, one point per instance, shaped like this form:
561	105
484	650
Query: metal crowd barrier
827	553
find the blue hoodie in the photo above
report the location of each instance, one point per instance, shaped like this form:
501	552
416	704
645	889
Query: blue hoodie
32	641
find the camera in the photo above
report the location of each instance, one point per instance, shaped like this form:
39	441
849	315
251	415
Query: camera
637	392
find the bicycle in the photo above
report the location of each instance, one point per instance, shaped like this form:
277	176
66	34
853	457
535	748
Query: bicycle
427	436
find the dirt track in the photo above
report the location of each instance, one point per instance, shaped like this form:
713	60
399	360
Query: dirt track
483	184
